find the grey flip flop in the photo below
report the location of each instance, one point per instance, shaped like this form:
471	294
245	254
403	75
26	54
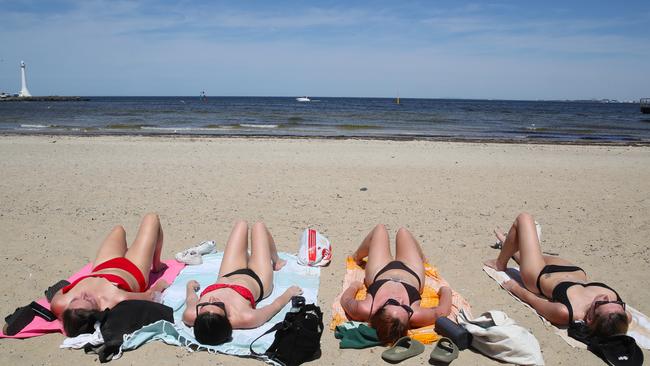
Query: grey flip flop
445	351
404	348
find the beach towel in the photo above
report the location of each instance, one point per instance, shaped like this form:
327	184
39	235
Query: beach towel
40	326
639	328
432	283
179	334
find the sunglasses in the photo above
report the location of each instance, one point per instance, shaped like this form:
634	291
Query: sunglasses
394	302
605	302
218	304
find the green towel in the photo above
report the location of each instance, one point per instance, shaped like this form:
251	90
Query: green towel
356	335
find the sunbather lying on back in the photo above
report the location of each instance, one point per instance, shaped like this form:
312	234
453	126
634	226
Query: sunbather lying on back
118	274
242	283
566	294
394	286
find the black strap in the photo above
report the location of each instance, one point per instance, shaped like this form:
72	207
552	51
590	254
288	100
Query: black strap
274	328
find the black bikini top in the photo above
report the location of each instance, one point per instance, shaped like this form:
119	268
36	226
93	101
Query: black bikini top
560	293
412	291
414	294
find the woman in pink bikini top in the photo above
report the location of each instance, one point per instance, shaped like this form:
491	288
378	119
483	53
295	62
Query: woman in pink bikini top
243	281
119	274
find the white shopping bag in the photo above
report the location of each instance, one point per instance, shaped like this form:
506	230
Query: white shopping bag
315	249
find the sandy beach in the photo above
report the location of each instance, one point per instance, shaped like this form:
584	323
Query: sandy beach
61	195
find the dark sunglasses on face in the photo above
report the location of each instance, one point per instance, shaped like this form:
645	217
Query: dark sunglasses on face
218	304
394	302
604	302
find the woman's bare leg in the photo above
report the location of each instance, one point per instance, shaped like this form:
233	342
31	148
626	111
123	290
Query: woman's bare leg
522	238
147	246
113	246
376	246
409	252
548	259
235	255
264	256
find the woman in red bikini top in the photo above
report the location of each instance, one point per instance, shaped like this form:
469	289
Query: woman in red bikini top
119	274
394	286
558	290
242	282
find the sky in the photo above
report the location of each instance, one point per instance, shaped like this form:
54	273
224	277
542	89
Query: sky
523	50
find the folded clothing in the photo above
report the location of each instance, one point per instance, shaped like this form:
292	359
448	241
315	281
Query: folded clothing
496	335
125	318
433	281
356	335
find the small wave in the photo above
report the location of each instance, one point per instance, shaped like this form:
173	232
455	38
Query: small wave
219	127
35	126
173	129
247	125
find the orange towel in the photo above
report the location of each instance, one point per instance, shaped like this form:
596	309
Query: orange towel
432	283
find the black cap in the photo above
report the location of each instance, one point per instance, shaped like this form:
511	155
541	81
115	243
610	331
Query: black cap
618	350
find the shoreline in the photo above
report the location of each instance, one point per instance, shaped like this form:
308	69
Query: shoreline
333	138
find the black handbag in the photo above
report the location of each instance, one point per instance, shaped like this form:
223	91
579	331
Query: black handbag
297	337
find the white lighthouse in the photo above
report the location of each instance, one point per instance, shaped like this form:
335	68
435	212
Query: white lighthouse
23	89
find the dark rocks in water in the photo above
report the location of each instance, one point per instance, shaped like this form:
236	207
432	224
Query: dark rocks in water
52	98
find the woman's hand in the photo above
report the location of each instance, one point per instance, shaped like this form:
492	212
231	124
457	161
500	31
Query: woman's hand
193	285
293	291
160	286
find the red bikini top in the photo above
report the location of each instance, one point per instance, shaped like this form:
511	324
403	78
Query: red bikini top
241	290
114	279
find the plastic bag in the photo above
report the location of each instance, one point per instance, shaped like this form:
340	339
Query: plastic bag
315	249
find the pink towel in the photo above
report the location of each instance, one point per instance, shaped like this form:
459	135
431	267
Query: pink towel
40	326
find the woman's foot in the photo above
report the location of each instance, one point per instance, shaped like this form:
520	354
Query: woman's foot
158	267
493	263
278	264
359	261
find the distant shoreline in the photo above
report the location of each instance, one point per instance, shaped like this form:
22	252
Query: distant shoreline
51	98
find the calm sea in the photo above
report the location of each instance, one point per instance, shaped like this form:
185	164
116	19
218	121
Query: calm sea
444	119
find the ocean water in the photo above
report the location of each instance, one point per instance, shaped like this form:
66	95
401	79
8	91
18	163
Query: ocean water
443	119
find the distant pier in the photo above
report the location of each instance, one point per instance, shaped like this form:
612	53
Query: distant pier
53	98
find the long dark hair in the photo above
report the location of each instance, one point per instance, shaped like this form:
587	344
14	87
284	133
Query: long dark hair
79	321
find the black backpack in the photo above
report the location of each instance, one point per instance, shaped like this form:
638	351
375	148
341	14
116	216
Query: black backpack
297	337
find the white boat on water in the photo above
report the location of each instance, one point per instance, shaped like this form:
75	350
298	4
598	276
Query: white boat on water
303	99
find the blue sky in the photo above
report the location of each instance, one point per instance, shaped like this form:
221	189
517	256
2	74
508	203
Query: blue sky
425	49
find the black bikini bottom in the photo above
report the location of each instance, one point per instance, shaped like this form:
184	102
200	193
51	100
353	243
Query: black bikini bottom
398	265
250	273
